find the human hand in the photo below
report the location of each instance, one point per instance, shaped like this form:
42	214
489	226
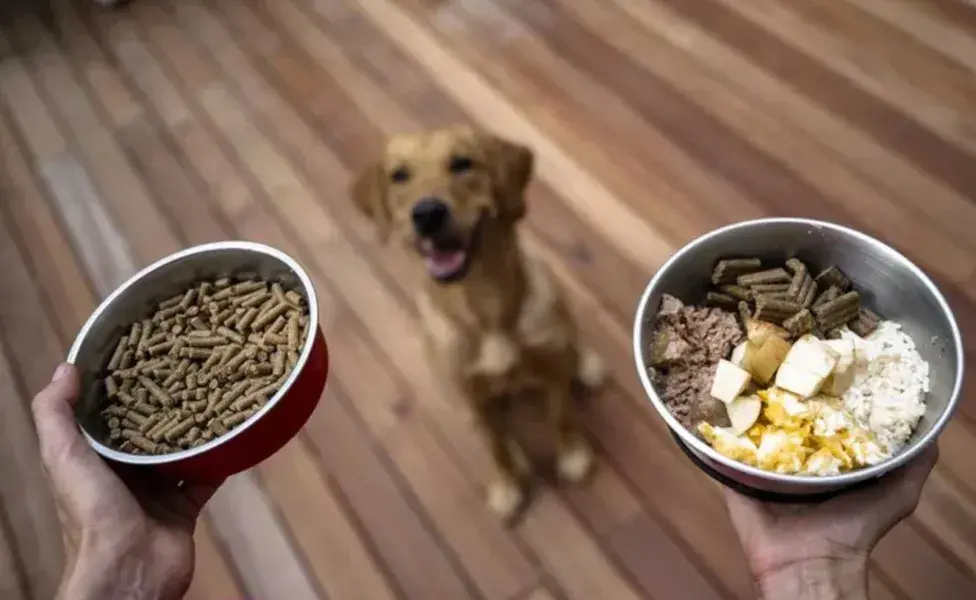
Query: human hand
832	540
131	537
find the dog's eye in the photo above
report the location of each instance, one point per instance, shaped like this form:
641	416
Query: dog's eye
400	175
460	164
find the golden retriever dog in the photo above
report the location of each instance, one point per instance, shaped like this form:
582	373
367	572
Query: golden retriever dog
495	321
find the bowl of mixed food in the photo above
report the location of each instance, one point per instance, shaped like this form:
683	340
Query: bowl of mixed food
797	357
204	363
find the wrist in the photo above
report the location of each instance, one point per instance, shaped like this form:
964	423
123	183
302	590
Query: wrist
100	572
817	579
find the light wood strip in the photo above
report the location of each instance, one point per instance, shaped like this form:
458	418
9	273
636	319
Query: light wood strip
51	253
339	558
214	577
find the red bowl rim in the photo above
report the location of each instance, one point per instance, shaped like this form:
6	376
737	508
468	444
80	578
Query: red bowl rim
313	324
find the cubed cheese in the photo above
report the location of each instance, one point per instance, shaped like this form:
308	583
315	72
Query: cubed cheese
764	362
729	381
794	379
812	355
842	377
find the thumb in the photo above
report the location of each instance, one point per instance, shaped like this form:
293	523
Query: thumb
64	452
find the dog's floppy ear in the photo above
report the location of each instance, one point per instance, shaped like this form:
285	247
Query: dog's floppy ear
510	165
368	192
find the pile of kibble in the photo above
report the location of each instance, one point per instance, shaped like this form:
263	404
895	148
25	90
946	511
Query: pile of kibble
207	360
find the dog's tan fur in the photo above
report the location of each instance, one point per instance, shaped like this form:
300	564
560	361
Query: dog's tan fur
505	328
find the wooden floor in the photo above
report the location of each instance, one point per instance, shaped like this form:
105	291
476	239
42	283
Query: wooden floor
135	132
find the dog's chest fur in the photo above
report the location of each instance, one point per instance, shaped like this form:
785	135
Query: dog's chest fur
502	360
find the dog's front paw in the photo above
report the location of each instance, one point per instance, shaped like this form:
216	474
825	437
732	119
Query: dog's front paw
505	498
575	462
591	371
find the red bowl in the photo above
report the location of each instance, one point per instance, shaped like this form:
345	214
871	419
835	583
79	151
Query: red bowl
260	436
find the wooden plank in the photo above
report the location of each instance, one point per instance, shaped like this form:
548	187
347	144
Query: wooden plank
950	516
52	256
265	559
824	185
420	565
12	583
214	579
781	42
921	574
28	355
126	197
921	22
339	558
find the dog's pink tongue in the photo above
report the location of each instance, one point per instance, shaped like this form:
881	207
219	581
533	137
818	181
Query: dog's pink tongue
444	263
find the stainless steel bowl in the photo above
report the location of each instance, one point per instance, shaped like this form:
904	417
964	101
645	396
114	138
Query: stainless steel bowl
258	437
889	284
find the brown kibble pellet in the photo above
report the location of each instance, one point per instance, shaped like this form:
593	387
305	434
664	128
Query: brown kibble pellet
136	417
179	430
832	276
251	352
259	370
156	338
127	357
216	426
111	387
293	331
142	443
170	302
838	305
235	363
244	323
222	282
235	419
295	298
144	408
188	299
126	399
115	434
199	325
711	298
135	334
115	410
162	347
726	271
157	392
278	325
278	363
274	339
246	287
255	300
736	291
127	385
151	421
193	435
167	313
196	353
222	317
778	275
800	323
231	335
292	358
262	321
197	406
831	293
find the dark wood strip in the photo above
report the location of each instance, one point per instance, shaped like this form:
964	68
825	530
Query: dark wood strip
29	353
13	580
961	13
888	125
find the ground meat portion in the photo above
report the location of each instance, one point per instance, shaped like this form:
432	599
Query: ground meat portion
686	345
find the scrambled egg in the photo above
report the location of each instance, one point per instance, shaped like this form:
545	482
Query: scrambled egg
792	436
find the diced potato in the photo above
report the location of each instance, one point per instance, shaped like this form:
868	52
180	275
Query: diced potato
812	355
768	358
729	381
759	331
742	354
744	412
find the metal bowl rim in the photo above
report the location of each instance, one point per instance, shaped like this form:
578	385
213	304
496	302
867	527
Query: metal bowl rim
313	316
844	479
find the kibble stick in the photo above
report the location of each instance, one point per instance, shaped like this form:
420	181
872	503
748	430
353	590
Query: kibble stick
263	321
157	392
293	331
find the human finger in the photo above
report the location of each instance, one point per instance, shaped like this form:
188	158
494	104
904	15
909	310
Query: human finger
77	474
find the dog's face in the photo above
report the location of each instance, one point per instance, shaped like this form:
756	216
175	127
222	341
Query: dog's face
440	191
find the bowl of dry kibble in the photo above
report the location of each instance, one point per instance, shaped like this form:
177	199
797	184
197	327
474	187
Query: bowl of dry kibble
204	363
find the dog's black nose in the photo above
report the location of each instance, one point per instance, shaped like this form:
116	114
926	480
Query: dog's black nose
430	215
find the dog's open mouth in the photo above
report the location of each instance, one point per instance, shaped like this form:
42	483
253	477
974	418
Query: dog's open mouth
448	255
445	257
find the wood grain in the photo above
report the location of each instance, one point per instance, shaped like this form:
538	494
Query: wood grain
141	130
